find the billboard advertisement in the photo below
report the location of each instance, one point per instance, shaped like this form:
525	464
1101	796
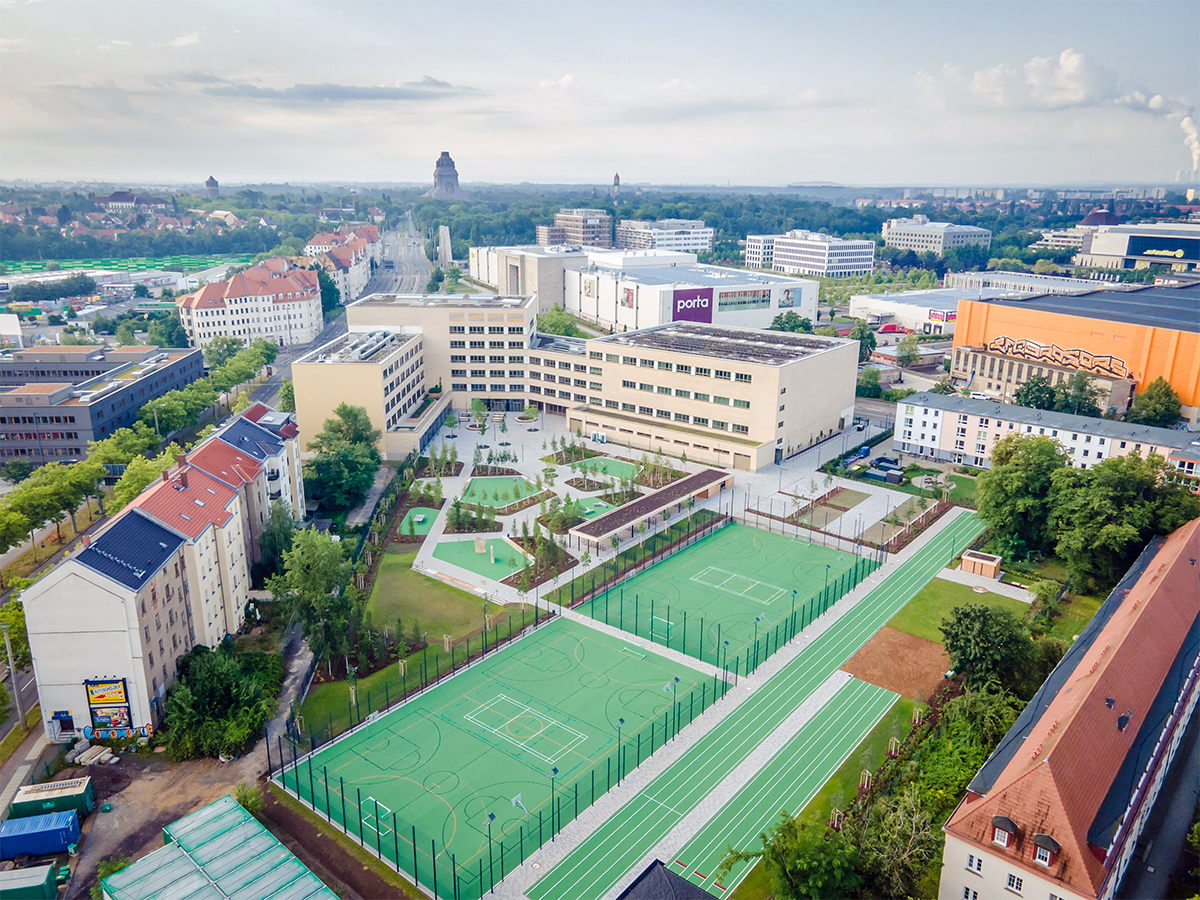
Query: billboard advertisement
942	315
692	305
627	301
1164	249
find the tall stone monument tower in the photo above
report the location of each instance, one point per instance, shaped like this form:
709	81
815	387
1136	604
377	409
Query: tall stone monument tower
212	189
445	180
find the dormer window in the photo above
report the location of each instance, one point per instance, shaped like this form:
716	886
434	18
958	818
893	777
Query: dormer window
1045	849
1004	830
999	836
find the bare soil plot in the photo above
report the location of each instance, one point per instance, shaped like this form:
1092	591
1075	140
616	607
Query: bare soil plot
909	665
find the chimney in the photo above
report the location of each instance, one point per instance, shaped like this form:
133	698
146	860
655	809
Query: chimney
165	477
183	476
181	458
87	539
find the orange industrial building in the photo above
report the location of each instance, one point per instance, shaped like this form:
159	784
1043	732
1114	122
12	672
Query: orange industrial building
1123	338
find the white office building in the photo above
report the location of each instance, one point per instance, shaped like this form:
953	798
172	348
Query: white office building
688	235
920	235
812	253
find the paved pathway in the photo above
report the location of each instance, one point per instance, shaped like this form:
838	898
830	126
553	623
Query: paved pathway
24	768
993	585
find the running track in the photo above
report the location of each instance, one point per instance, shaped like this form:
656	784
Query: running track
595	866
788	782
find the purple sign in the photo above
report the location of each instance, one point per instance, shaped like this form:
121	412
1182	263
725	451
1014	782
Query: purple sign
695	305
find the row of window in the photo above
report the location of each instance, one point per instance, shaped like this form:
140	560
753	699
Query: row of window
491	329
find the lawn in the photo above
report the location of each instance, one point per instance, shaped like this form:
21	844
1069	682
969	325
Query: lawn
508	559
1077	611
422	527
606	465
401	593
965	490
498	490
924	613
839	789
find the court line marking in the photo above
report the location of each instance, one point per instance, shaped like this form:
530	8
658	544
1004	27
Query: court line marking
500	731
699	578
375	806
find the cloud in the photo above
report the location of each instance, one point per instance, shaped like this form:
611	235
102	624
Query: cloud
115	45
426	88
561	84
1072	80
13	45
184	40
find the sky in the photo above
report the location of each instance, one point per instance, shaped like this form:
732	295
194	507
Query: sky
753	93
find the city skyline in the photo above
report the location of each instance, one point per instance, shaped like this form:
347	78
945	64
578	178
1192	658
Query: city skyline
667	93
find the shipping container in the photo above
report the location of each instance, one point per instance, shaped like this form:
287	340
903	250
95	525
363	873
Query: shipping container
37	883
38	835
54	796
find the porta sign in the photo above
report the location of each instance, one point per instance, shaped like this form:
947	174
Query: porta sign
693	305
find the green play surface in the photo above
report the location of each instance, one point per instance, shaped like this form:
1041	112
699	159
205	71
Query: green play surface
418	527
714	590
606	465
462	553
594	506
468	763
510	488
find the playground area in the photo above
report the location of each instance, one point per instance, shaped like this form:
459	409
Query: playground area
740	592
463	782
491	557
594	506
498	490
418	520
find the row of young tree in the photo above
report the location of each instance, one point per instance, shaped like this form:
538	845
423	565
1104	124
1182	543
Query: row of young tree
1095	520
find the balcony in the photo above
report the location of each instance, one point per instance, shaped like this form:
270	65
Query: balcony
274	495
273	476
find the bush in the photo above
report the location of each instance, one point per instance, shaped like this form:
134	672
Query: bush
249	797
106	867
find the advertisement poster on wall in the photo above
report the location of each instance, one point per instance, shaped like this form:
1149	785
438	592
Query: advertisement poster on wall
787	301
589	288
627	298
108	703
692	305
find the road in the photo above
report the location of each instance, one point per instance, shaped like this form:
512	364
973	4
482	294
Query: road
29	694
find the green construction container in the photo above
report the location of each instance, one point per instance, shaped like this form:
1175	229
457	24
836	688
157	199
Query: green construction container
74	794
37	883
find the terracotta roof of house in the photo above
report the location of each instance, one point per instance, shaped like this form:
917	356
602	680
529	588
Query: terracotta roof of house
255	411
269	278
227	463
188	501
1070	765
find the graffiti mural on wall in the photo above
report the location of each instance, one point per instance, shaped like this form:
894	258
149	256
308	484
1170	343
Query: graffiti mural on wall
1056	355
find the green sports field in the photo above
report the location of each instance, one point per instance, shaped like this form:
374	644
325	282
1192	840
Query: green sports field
714	591
477	752
600	861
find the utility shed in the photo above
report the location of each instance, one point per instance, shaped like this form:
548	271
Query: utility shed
37	883
54	796
218	852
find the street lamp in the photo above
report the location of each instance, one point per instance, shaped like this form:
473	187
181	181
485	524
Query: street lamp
824	597
792	616
553	773
674	685
620	722
13	672
424	649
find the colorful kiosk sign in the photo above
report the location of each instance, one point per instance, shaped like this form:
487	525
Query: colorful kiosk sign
108	704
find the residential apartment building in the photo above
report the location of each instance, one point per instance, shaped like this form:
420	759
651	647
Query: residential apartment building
273	300
810	253
410	359
921	235
585	227
349	256
67	396
1060	808
1125	336
687	235
108	614
958	429
106	627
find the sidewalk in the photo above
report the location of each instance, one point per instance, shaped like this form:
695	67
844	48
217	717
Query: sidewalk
992	585
25	758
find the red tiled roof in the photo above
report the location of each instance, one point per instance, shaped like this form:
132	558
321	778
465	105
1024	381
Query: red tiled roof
191	509
1061	774
255	411
271	277
222	461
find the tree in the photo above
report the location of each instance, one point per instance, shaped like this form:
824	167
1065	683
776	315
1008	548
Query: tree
1157	405
908	351
278	532
249	797
12	614
140	473
221	349
862	333
1036	393
140	290
802	861
789	321
125	335
167	332
315	574
106	867
557	320
943	387
351	425
340	475
479	411
1103	516
16	471
1079	396
986	644
331	297
287	396
897	842
868	383
1014	495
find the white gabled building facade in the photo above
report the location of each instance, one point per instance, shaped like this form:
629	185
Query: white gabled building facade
273	300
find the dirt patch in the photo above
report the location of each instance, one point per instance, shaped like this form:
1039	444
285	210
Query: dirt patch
909	665
321	853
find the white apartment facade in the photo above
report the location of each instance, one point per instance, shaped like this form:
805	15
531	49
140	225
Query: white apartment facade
810	253
274	301
921	235
960	430
686	235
